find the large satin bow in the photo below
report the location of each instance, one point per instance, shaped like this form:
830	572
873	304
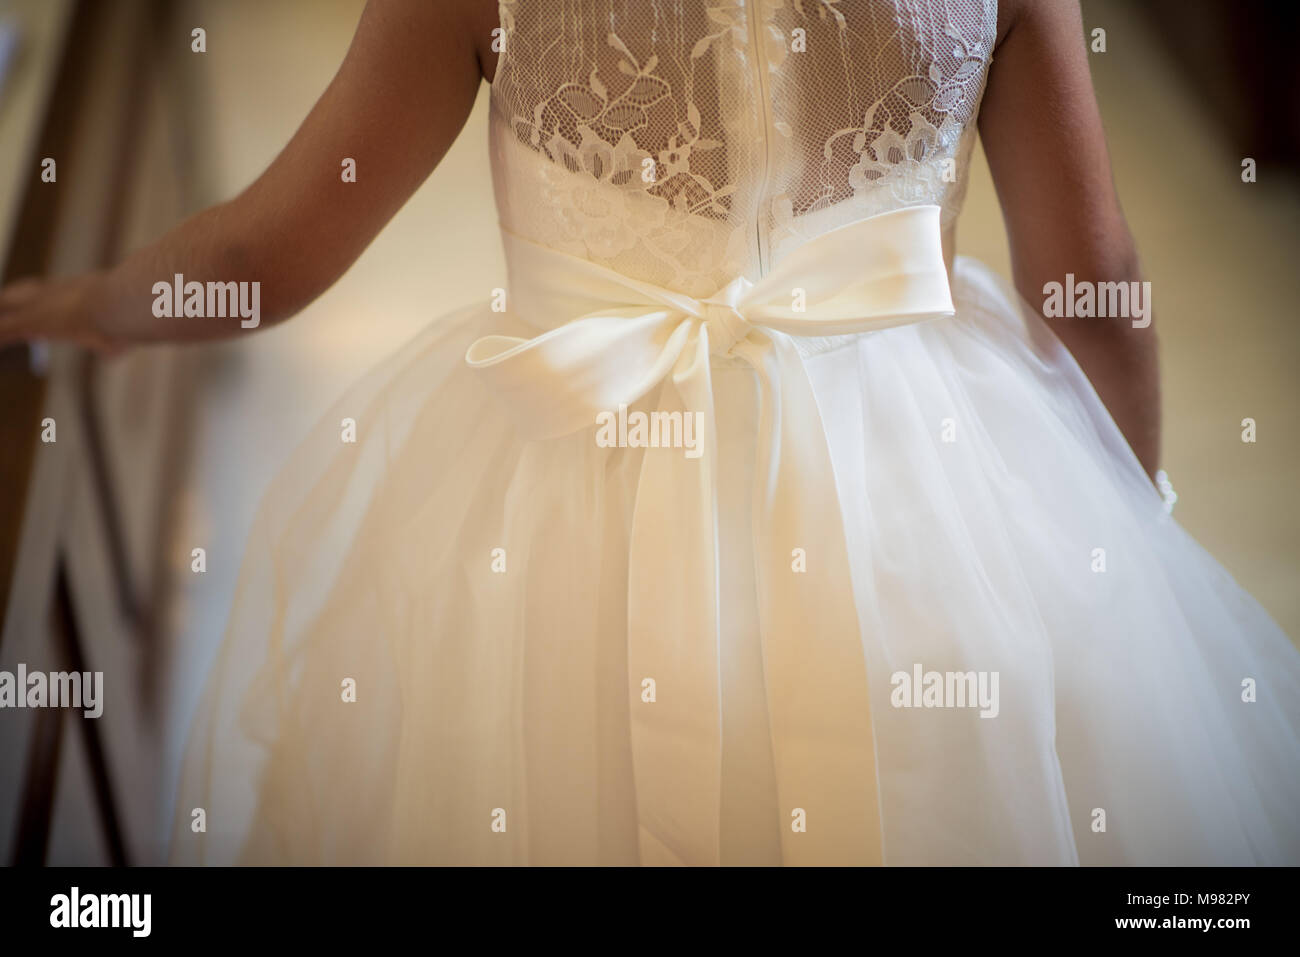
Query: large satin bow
609	341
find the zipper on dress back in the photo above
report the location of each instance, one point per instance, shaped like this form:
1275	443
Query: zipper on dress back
752	13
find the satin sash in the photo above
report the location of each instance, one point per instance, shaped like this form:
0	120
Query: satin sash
607	340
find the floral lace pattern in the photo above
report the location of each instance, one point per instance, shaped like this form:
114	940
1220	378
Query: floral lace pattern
685	143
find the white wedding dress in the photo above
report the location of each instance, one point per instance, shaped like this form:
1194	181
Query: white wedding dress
566	652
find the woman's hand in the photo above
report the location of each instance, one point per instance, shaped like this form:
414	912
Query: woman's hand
55	309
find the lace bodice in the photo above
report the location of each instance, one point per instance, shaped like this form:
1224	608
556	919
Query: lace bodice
687	142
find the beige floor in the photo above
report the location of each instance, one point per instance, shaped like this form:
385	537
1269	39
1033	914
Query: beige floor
1220	255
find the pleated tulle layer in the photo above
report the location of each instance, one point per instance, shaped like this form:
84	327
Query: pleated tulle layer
474	587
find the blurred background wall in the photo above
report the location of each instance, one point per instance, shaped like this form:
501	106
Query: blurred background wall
1181	111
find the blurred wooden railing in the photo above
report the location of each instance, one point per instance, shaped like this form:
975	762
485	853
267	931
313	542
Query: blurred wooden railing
98	63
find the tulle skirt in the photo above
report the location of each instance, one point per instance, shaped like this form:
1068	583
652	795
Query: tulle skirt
426	660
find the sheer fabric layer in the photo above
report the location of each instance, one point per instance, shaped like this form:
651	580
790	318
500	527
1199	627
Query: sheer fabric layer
977	474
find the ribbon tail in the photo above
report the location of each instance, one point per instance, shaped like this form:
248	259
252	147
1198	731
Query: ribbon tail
673	634
813	655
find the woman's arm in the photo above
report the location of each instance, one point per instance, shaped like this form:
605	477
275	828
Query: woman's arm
1043	136
395	106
